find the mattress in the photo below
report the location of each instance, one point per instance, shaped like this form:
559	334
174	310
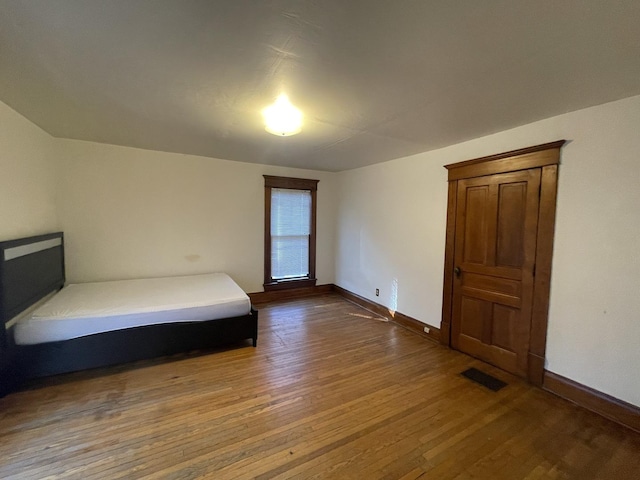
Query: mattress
88	308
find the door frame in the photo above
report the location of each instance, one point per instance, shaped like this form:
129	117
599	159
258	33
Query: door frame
547	158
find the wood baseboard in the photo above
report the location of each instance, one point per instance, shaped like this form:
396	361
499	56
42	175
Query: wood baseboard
405	321
266	297
609	407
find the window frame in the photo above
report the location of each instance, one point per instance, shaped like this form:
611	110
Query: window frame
271	182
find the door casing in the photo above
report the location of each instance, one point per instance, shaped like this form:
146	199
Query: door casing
547	158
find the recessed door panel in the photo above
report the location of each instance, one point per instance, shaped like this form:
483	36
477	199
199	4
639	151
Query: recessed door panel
473	317
512	202
504	331
476	224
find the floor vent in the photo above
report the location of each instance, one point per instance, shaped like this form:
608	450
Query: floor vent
484	379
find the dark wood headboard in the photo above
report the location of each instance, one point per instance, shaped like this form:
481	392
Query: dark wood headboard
30	269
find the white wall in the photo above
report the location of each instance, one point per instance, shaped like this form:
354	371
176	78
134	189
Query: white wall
391	235
131	213
27	177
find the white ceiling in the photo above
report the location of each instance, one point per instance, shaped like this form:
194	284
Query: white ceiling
376	79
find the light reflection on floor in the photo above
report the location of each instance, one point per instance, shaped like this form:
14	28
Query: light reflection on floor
288	324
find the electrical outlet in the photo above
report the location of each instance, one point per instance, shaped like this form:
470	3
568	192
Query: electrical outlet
426	330
377	292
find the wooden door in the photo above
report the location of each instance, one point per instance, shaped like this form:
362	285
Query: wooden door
491	309
496	223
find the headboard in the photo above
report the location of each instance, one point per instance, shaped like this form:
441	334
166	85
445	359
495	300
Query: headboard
30	269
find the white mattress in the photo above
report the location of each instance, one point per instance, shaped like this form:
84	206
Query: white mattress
87	308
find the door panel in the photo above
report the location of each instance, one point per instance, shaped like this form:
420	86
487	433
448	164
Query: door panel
505	321
473	313
493	284
476	224
510	234
495	241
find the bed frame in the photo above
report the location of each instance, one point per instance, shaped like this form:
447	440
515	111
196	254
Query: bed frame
32	268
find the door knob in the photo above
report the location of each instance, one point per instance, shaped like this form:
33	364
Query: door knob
457	271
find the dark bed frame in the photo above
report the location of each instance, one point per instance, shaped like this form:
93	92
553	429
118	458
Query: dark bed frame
26	278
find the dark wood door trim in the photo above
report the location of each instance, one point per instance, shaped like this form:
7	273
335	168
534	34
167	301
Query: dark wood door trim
546	157
522	159
447	293
542	278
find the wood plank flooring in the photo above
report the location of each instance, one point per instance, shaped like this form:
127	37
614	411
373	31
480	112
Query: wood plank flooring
330	392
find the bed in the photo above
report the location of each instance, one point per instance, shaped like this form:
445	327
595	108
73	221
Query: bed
51	329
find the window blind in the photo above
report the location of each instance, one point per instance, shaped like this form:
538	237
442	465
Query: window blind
290	231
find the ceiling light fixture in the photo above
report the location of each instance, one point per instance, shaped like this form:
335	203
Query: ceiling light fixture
282	118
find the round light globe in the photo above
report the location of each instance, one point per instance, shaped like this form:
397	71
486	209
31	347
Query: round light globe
282	118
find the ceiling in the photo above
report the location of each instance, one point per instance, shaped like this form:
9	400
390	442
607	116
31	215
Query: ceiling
376	79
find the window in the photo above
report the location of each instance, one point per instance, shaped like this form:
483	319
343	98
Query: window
289	232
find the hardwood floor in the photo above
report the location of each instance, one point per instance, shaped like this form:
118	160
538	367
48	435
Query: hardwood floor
330	392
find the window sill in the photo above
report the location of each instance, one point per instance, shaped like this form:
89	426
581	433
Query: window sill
286	284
